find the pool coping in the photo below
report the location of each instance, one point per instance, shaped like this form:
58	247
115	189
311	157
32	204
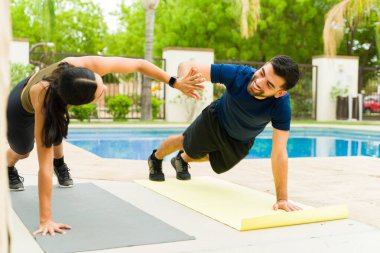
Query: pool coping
353	127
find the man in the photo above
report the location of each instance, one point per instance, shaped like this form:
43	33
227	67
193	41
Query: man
225	131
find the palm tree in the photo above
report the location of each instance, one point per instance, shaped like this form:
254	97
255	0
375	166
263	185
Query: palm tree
47	13
146	94
349	14
5	38
249	18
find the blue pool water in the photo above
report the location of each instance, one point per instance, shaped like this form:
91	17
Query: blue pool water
137	144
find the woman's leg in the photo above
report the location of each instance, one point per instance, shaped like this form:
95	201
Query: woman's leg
15	180
58	151
13	157
60	168
20	134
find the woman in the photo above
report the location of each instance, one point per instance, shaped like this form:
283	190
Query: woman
37	108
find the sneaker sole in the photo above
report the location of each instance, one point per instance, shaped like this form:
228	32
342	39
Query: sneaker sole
183	179
157	180
161	180
65	186
17	190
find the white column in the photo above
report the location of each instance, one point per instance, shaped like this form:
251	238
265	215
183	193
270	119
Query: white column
5	38
19	51
340	72
178	107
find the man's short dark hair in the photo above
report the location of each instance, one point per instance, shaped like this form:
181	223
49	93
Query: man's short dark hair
285	67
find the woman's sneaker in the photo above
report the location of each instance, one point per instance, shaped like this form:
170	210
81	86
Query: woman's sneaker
63	175
181	167
15	181
155	169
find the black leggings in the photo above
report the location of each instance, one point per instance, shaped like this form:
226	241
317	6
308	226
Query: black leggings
20	123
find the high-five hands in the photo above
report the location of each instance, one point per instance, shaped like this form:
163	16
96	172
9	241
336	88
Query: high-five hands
189	84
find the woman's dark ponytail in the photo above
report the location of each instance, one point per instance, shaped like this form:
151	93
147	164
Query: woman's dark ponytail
69	85
56	117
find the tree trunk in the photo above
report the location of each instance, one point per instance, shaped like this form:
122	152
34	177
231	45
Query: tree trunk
5	38
146	93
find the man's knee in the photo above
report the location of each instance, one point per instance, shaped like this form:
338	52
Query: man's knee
176	140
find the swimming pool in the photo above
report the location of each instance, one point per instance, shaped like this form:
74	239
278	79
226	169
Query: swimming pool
138	143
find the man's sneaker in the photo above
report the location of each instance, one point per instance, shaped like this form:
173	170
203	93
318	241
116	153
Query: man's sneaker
155	169
181	167
15	181
63	175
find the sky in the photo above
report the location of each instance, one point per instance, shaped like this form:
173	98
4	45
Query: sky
109	6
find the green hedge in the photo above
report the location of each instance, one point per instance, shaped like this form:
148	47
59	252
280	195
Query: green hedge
82	112
118	106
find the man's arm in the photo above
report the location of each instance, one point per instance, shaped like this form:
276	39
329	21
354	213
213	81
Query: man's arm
279	159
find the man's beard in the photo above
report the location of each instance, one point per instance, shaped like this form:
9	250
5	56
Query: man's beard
258	94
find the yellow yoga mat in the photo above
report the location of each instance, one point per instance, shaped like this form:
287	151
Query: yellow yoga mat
237	206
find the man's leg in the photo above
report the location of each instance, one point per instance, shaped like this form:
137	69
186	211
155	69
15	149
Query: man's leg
15	181
168	146
171	144
181	164
188	159
60	168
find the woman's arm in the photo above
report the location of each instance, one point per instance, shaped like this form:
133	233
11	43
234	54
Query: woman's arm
45	160
104	65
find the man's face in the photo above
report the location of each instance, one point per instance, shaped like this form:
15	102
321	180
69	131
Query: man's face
265	83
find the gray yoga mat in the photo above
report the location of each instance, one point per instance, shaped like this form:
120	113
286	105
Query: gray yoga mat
99	220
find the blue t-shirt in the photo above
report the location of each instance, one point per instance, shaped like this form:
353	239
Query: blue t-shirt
239	113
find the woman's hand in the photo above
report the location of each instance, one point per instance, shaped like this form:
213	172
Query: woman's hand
190	83
50	227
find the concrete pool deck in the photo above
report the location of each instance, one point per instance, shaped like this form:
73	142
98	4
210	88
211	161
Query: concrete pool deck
354	181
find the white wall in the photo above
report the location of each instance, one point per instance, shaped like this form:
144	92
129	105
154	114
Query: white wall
339	71
179	108
19	51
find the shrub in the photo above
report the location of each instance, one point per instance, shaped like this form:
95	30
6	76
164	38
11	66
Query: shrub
82	112
118	106
156	103
19	72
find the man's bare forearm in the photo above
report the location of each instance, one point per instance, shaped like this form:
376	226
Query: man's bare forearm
280	175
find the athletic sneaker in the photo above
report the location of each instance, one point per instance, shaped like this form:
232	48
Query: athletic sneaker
181	167
15	181
155	169
63	175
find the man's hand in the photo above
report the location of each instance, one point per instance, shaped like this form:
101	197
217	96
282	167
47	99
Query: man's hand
190	83
50	227
286	205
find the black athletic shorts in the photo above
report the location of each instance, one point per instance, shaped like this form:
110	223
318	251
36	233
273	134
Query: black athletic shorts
206	136
20	123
